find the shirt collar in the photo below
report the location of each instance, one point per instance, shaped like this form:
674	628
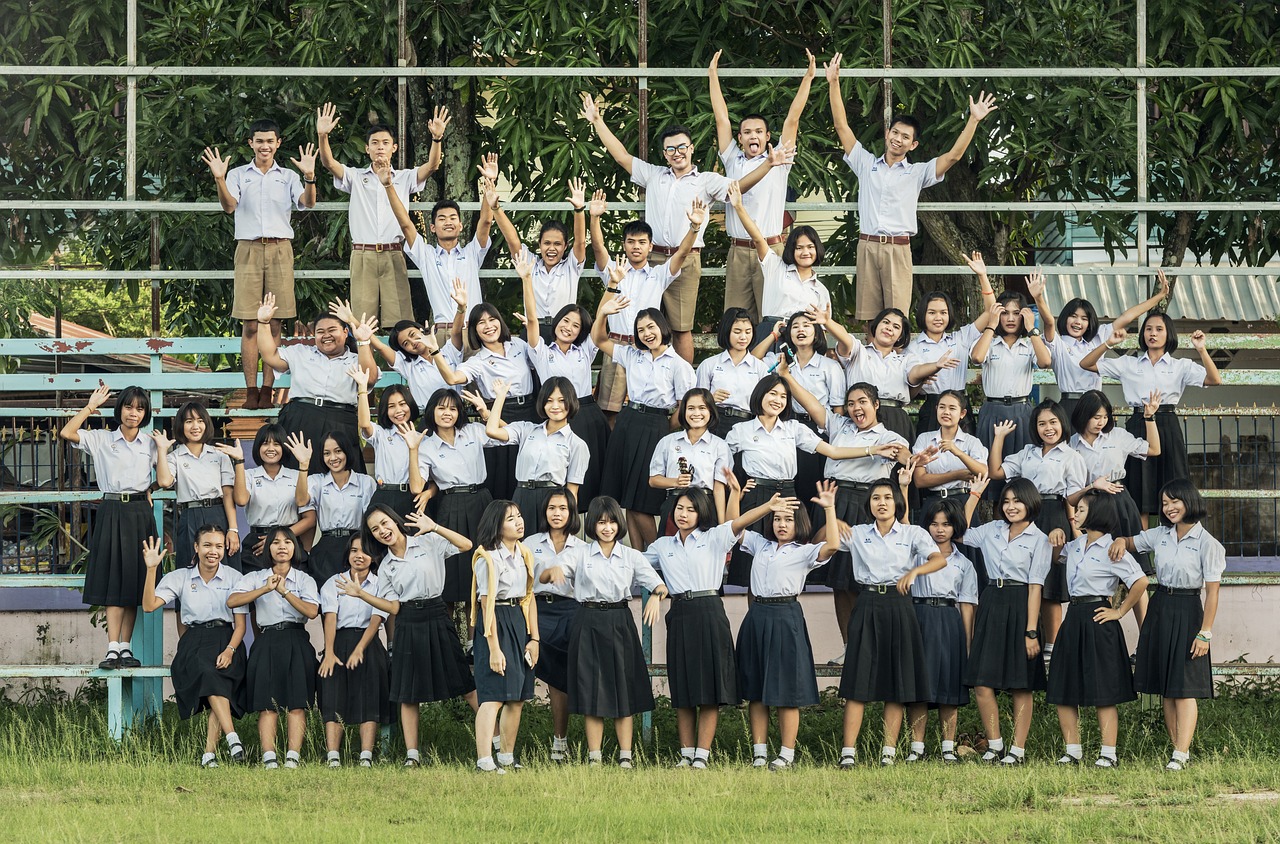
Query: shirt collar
1105	541
440	250
905	164
1196	530
219	575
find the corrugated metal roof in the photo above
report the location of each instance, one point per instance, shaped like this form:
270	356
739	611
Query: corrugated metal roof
1205	298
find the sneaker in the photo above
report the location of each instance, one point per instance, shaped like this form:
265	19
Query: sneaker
887	761
128	660
914	757
950	756
780	764
112	662
291	763
1068	759
271	764
366	763
685	762
699	764
1175	765
759	761
335	763
1107	762
410	762
210	763
593	763
1010	759
237	753
847	763
624	764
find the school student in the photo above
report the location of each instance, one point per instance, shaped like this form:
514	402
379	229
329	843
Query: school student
884	654
1005	651
1009	349
559	525
958	456
691	457
507	644
379	277
204	479
608	677
734	373
395	440
426	661
282	664
355	674
944	603
406	350
268	494
1091	663
122	461
262	195
208	670
339	497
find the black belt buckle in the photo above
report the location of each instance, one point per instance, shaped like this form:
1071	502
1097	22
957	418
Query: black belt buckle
518	401
537	484
879	588
948	493
284	625
210	624
732	412
1002	583
1090	599
394	487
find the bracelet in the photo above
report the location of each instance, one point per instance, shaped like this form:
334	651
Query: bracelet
1148	418
237	461
265	321
437	140
976	494
236	531
614	290
532	639
308	181
577	209
987	292
363	342
990	328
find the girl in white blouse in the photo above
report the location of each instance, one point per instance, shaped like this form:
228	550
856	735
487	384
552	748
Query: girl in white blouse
267	493
691	457
394	440
339	497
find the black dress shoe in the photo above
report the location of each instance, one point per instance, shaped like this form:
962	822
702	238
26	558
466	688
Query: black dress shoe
111	663
128	660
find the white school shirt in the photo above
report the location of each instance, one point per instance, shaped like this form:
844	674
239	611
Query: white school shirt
513	366
460	463
1060	472
199	478
657	382
697	564
1090	571
264	201
945	461
887	373
721	373
350	611
844	433
555	286
785	292
369	215
957	581
315	375
767	199
340	508
272	500
512	576
1068	352
959	342
609	579
575	364
201	602
1007	371
561	457
545	557
644	287
1138	376
708	457
771	455
419	574
423	376
888	195
119	466
1105	458
822	376
883	559
1188	563
1026	559
440	267
668	197
390	455
779	570
274	608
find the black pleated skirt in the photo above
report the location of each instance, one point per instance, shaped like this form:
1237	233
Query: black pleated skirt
884	658
626	464
427	662
590	425
1165	666
315	423
726	423
513	635
810	468
945	654
740	561
328	557
361	694
775	658
196	676
998	655
114	573
189	521
700	662
282	671
402	501
460	512
608	677
1090	662
897	419
989	415
555	628
1131	524
1053	515
250	561
927	417
500	461
1145	478
851	508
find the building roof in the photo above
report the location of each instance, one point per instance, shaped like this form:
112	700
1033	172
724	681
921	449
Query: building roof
1200	298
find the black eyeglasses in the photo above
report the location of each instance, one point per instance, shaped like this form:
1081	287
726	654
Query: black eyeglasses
681	148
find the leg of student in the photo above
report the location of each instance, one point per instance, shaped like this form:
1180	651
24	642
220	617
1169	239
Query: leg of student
897	290
1069	721
642	530
559	713
868	298
624	729
1170	706
593	726
1022	703
1108	725
332	735
988	711
853	712
486	722
918	713
128	617
708	718
296	724
788	726
743	281
510	724
368	736
892	723
1050	620
680	302
220	711
393	290
470	697
409	725
949	716
248	288
758	715
268	721
685	717
212	735
364	282
845	599
115	623
1188	710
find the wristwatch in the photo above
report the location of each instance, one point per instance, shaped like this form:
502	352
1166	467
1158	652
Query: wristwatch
1206	635
1035	332
1033	634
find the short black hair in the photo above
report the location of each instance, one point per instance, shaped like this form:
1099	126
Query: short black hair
1005	298
281	530
189	409
443	395
671	131
393	339
1183	490
819	334
907	120
373	547
732	316
325	315
567	392
1103	512
131	396
899	503
636	227
682	407
584	321
804	526
789	249
904	338
488	531
602	507
922	308
702	504
271	432
482	310
444	205
763	386
347	445
872	391
1049	406
1090	315
659	319
575	521
554	226
209	528
377	128
1025	492
358	536
755	115
966	420
1171	332
384	418
1088	405
951	508
264	125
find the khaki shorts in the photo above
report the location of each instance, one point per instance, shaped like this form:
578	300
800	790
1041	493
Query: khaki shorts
681	299
884	278
744	279
380	286
611	389
263	268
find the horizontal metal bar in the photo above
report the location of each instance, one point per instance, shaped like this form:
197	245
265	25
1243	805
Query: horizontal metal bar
158	413
176	381
62	496
87	671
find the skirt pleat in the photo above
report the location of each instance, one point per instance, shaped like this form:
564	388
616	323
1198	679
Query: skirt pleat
1090	662
282	671
1165	666
608	677
251	562
315	423
196	676
810	468
992	413
945	654
884	658
361	694
114	573
460	512
740	561
1053	515
927	416
555	628
1145	478
401	501
327	558
590	425
775	658
701	667
500	461
531	503
897	419
626	463
998	654
851	508
513	635
189	521
426	660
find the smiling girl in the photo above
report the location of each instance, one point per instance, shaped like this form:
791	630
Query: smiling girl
731	375
394	439
268	494
203	475
339	497
691	458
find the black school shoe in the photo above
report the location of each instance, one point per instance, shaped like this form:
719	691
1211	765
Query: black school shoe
112	662
128	660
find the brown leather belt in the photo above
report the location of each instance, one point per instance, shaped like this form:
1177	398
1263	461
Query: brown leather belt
622	338
377	247
671	250
776	239
899	239
266	239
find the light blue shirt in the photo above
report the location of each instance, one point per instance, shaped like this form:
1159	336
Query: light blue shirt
1106	456
1188	563
888	195
1090	571
696	564
959	342
779	570
351	612
883	559
272	607
708	457
119	465
957	580
610	579
340	507
545	557
419	574
264	201
771	455
946	461
657	382
1060	472
201	602
1025	559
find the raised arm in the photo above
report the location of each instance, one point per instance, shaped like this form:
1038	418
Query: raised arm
782	154
615	147
326	121
425	525
985	289
407	227
489	204
995	455
697	213
494	427
985	104
816	409
1162	292
976	487
1044	357
847	139
301	451
437	125
978	354
598	247
922	372
1036	287
758	239
268	346
306	164
364	418
845	343
578	203
71	430
218	166
1090	362
524	269
152	556
719	108
610	304
1212	377
791	125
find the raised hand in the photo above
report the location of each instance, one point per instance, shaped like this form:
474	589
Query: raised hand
162	441
488	167
439	122
267	310
235	451
1028	318
978	484
778	504
490	190
382	169
1197	340
976	263
782	154
984	105
826	496
715	61
1152	403
577	193
523	264
300	449
500	389
735	194
906	472
1165	287
475	400
832	69
598	205
1004	428
363	329
153	552
1036	284
347	586
458	293
616	305
326	119
947	361
616	272
1117	337
306	160
590	111
341	308
411	435
697	213
421	521
98	397
731	481
360	375
218	165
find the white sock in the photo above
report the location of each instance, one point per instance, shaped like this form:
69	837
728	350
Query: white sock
126	647
506	759
1180	756
1109	750
995	744
1016	751
233	738
686	753
333	754
594	756
207	758
787	754
917	747
366	754
293	754
412	754
497	743
1075	751
486	764
947	746
624	754
889	751
559	743
702	753
848	751
759	750
1048	650
268	756
113	646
